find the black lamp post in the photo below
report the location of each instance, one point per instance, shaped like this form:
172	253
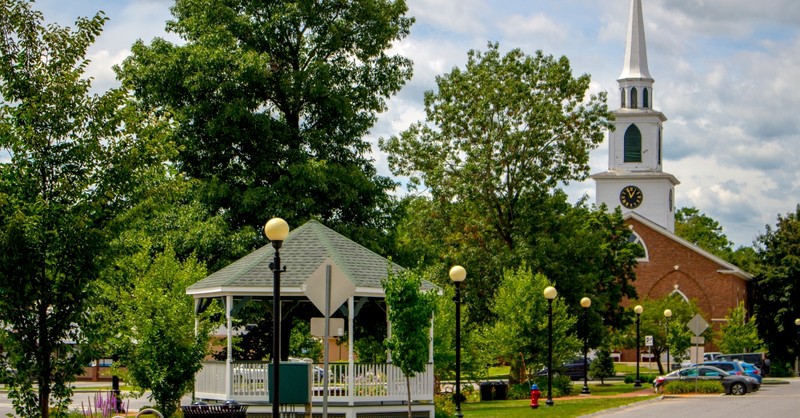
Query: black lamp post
276	231
797	348
667	314
638	311
457	275
550	293
585	303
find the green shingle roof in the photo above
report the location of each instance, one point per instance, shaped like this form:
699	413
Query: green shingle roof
303	251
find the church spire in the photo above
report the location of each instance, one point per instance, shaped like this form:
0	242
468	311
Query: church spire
635	65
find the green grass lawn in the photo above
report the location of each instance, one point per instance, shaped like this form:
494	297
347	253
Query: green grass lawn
561	408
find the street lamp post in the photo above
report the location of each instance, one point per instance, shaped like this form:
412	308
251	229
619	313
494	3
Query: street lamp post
585	303
797	349
276	231
457	275
668	315
638	310
550	293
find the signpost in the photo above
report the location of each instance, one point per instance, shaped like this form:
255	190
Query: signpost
327	288
648	342
697	325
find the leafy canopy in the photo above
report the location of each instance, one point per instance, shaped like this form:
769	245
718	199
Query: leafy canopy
271	101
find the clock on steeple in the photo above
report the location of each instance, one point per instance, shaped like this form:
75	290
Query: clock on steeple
635	154
631	197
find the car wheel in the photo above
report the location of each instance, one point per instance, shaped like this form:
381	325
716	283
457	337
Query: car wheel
738	389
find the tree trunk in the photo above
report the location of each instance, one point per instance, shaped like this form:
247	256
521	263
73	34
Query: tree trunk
408	395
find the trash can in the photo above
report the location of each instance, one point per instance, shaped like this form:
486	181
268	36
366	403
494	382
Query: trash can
493	391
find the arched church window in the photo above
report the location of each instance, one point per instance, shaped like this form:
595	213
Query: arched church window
634	99
659	146
622	97
632	152
636	239
645	98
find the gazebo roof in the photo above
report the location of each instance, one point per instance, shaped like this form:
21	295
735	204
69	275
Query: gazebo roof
303	252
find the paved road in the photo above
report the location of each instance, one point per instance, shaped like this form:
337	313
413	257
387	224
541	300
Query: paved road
771	401
84	396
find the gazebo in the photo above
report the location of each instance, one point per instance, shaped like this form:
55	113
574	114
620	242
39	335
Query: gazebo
355	388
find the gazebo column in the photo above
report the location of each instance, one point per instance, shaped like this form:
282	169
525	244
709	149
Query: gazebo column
228	365
351	308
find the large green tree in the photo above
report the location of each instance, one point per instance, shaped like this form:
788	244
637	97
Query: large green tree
67	167
777	294
500	136
521	330
271	102
703	231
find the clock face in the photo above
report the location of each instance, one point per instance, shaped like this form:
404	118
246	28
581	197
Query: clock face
631	197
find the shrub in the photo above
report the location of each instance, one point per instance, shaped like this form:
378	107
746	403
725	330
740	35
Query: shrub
443	406
519	391
644	378
703	386
779	369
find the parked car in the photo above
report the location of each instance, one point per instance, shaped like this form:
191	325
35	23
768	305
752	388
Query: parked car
732	384
732	367
573	368
756	359
710	356
752	371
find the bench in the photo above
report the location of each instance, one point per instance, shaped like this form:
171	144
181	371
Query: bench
218	411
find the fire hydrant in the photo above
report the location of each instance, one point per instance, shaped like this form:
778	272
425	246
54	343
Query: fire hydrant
535	395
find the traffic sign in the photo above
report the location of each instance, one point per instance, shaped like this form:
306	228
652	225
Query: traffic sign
648	340
697	325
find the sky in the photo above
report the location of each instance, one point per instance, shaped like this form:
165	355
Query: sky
725	77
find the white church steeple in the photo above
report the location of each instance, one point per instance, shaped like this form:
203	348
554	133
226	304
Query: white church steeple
635	180
635	66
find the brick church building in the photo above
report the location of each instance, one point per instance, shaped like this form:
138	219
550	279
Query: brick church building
635	182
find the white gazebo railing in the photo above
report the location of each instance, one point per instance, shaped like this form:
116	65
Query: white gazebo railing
368	382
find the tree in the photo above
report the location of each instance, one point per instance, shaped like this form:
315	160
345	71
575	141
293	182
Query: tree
271	101
161	350
672	332
777	295
70	164
409	312
738	334
499	136
702	231
522	321
602	366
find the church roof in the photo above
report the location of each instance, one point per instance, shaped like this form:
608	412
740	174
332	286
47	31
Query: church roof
635	65
726	267
303	252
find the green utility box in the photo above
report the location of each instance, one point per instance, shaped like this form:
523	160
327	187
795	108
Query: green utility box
295	380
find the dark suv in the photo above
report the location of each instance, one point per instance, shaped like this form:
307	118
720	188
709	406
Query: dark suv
573	368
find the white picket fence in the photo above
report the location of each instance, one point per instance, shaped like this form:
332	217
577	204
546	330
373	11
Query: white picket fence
368	382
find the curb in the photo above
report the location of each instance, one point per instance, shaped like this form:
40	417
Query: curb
623	407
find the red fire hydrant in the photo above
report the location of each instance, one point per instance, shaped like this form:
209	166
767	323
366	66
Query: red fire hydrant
535	395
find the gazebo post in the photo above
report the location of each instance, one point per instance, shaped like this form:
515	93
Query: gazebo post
351	307
228	365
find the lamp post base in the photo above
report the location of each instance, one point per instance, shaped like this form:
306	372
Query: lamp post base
549	402
637	384
585	390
